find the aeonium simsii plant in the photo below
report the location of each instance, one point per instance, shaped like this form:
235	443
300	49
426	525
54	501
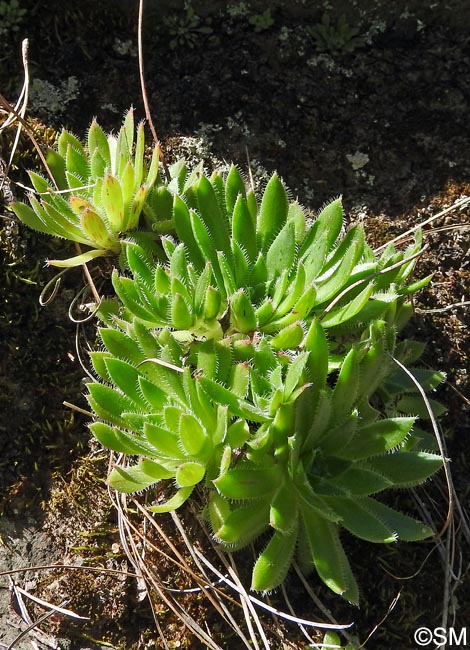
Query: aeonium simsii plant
248	356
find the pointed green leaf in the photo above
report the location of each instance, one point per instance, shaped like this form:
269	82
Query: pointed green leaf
164	441
181	315
206	246
242	313
289	337
249	482
320	238
332	284
111	196
416	405
212	216
98	143
244	524
125	376
228	275
358	481
281	253
153	169
372	521
76	164
56	165
405	527
328	555
130	479
295	373
295	290
78	260
339	436
343	314
320	422
108	403
273	564
219	510
243	228
278	287
185	232
98	166
95	229
345	391
234	189
360	521
405	468
121	345
192	435
376	438
273	212
66	140
154	395
239	379
317	345
297	216
174	502
40	184
238	407
238	433
283	513
189	474
30	218
121	441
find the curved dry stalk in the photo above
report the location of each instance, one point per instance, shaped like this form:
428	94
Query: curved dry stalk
19	108
126	528
150	579
440	310
210	588
369	278
292	612
334	625
448	526
160	362
248	609
92	313
56	280
31	627
56	608
229	616
460	203
440	443
277	612
391	607
72	567
11	110
143	88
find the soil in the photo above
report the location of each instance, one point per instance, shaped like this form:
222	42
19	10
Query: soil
379	116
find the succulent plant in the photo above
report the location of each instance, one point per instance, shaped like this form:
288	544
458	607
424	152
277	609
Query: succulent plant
239	267
336	36
247	354
96	192
288	442
282	328
318	464
158	410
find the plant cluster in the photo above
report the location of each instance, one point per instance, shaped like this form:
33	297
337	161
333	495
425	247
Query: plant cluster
247	356
336	36
186	28
11	17
262	21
